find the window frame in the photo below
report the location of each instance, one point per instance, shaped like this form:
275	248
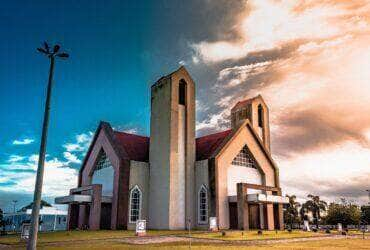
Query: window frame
203	188
260	116
136	187
244	159
182	92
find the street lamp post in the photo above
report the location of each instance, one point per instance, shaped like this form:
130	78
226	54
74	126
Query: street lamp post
14	202
51	54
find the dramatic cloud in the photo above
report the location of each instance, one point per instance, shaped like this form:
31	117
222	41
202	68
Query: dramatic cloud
269	24
310	61
25	141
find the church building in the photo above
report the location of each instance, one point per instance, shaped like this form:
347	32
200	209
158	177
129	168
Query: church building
174	180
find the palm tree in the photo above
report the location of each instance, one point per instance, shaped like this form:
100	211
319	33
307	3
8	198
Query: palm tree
315	206
291	212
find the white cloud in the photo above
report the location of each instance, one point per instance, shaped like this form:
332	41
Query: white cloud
195	59
34	158
131	130
82	143
239	74
16	158
72	147
71	158
214	122
84	138
25	141
58	178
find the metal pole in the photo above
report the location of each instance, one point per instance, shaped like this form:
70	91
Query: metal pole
14	202
189	225
40	169
55	222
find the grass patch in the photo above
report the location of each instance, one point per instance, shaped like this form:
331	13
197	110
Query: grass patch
110	239
329	244
253	235
84	235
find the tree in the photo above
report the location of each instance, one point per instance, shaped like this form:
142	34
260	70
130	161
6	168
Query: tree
365	215
345	213
42	204
291	211
315	206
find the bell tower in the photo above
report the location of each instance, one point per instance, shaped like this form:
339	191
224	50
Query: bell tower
256	111
172	151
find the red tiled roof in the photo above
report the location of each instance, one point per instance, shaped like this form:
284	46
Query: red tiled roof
136	146
207	145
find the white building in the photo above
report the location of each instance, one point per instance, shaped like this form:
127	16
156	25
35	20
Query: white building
51	218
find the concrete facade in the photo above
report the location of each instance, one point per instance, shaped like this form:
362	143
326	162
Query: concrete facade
201	180
139	176
172	153
174	180
249	110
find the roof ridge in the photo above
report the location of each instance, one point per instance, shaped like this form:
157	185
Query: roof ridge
123	132
216	133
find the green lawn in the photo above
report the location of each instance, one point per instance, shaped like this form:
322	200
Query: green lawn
106	239
253	235
85	235
330	244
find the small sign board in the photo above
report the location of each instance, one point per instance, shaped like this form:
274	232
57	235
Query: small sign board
25	233
213	224
340	228
140	227
306	225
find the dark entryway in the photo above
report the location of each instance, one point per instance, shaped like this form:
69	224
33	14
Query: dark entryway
105	218
233	213
73	216
254	216
276	216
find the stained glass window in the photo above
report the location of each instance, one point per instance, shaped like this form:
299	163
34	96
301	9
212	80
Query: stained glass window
245	159
135	204
203	205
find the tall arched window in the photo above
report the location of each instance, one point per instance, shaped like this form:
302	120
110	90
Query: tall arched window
182	92
260	116
135	204
202	205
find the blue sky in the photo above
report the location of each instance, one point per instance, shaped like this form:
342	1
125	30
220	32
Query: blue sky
117	50
232	49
